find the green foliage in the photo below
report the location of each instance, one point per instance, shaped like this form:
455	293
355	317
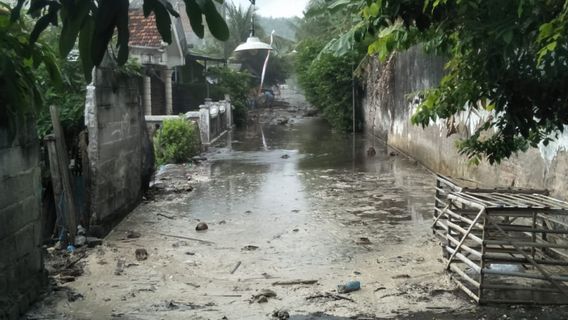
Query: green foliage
94	23
177	141
70	99
508	57
237	85
20	91
324	61
326	80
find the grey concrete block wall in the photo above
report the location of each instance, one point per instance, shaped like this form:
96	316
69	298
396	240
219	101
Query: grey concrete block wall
21	266
388	109
117	164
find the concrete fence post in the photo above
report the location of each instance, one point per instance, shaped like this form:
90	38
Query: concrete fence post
204	118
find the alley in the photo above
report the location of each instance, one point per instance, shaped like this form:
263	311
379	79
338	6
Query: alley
282	203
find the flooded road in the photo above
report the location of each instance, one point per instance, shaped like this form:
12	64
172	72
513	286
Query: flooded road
282	203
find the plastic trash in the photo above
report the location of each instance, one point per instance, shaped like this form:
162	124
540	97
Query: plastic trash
349	287
81	230
80	241
71	248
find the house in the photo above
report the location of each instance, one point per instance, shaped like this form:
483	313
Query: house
158	59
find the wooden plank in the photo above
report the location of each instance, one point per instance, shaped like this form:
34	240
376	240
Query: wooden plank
55	176
509	287
466	290
63	163
548	277
464	275
463	231
529	244
464	259
524	275
465	236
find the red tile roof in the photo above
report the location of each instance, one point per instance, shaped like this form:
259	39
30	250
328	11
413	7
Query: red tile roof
143	31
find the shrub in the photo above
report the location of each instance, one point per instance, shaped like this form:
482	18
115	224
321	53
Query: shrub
326	81
176	141
237	85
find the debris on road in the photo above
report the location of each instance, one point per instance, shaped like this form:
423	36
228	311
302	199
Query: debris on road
249	248
281	314
294	282
349	287
236	267
165	216
187	238
133	234
263	296
363	241
328	295
141	254
202	226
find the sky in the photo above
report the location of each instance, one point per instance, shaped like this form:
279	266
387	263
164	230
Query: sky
276	8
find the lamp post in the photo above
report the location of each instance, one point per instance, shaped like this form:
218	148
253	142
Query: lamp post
253	42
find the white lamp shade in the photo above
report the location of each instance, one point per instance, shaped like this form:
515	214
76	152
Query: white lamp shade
253	43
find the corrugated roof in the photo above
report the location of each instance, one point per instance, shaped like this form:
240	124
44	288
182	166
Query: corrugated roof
143	31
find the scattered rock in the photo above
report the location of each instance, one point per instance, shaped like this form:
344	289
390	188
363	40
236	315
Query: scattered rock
285	156
80	240
202	226
93	242
141	254
281	121
189	253
133	235
262	296
363	241
401	276
120	266
296	230
74	296
222	222
250	248
281	314
393	154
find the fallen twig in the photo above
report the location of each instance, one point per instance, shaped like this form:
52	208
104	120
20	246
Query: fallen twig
186	238
236	267
165	216
329	295
294	282
72	263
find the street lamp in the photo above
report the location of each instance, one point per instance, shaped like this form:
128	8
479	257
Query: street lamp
253	42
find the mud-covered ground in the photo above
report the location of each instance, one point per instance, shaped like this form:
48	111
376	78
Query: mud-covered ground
285	199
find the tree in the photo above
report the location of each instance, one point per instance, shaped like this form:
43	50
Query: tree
20	92
508	57
326	79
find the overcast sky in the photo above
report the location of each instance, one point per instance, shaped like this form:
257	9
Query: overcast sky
277	8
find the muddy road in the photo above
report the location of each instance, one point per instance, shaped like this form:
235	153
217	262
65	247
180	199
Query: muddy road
283	202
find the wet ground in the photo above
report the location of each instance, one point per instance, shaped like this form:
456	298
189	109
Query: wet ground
282	203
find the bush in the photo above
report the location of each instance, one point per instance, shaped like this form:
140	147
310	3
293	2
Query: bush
237	85
326	81
177	141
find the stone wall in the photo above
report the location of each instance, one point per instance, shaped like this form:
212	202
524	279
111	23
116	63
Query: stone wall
389	103
21	265
120	152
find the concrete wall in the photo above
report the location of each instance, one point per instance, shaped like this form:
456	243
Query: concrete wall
120	156
389	103
21	265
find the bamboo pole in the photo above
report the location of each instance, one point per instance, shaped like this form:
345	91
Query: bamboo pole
465	236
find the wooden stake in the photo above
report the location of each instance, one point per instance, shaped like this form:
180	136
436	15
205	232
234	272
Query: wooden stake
63	164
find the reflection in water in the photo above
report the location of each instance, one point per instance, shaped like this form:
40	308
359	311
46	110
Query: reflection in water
307	173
